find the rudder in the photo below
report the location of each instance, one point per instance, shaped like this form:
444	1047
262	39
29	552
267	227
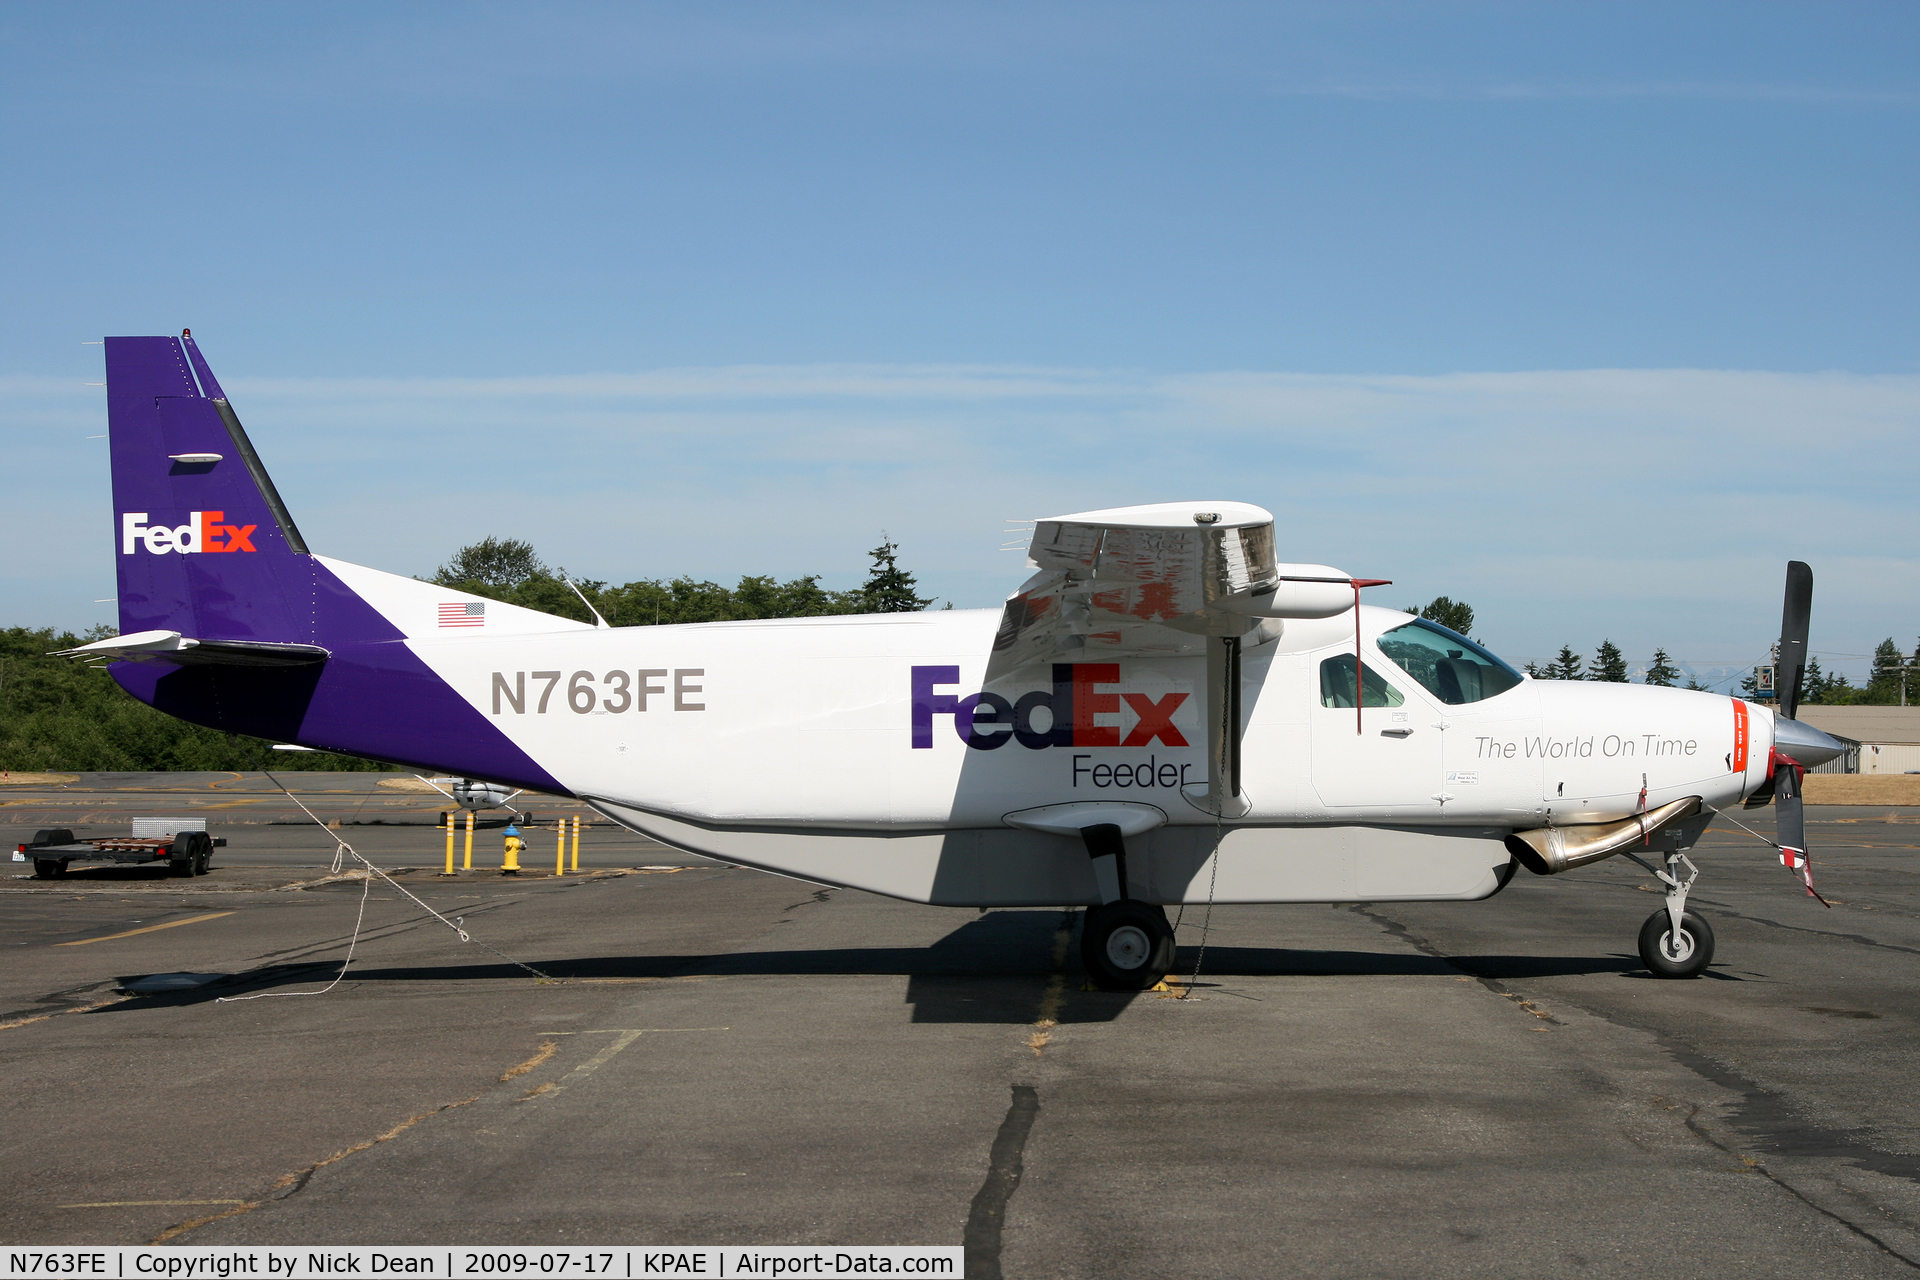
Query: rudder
203	544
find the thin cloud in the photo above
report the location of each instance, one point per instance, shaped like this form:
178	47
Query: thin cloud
1525	91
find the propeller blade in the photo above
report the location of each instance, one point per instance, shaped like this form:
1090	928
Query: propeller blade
1791	667
1790	825
1790	815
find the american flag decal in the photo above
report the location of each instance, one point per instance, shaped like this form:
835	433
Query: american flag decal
463	615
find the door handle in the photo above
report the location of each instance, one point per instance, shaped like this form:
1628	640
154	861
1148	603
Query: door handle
1396	733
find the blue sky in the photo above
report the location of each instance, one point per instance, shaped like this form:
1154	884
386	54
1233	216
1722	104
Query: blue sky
1589	314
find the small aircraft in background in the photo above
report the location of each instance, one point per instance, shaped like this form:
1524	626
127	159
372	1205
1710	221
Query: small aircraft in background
1164	713
468	793
477	797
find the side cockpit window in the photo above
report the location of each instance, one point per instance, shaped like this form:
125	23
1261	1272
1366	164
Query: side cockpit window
1451	667
1336	685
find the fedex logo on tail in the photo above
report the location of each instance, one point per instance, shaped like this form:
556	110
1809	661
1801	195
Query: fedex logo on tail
987	721
204	531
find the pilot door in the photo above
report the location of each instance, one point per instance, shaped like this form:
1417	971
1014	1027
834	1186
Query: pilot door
1385	754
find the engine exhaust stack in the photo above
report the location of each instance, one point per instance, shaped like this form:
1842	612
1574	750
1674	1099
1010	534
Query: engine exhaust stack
1547	851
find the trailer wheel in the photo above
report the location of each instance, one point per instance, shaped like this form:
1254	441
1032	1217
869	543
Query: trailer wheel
203	858
52	835
180	857
49	868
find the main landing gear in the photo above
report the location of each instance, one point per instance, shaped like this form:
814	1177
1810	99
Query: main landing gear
1674	942
1126	945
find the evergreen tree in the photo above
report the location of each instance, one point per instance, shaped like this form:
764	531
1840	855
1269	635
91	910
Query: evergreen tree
1454	615
1883	687
1609	664
1662	671
1568	666
889	588
1828	690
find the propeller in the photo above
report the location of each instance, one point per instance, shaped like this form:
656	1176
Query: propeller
1790	669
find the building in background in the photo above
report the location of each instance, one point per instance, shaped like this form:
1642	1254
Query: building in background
1879	739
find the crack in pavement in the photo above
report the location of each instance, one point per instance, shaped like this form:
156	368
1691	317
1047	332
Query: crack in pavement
987	1216
291	1184
1420	944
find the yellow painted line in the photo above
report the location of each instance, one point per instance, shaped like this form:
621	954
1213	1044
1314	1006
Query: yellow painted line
171	924
131	1204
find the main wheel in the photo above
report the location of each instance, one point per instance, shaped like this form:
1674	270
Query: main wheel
1685	956
180	857
49	868
1126	945
203	855
52	835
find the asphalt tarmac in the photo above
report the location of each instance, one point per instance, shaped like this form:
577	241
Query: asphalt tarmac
717	1056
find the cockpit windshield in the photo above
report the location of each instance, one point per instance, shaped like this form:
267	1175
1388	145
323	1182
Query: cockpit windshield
1451	667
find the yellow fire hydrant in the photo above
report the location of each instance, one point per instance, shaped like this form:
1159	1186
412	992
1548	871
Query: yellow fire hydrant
510	865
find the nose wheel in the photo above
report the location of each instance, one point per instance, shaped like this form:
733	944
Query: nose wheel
1126	945
1670	953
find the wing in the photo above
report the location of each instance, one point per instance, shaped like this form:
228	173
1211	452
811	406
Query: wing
1155	580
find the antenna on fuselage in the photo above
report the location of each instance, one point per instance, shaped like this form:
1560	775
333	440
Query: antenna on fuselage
598	621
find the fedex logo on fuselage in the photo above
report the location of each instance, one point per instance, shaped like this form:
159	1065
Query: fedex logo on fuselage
204	531
987	721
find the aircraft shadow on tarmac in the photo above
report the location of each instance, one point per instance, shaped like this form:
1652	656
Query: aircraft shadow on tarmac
991	970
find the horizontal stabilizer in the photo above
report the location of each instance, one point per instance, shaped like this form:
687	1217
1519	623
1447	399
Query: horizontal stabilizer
171	646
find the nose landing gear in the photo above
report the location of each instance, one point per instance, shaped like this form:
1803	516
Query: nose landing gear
1674	942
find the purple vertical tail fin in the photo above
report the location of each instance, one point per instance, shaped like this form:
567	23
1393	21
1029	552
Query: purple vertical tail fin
282	648
203	543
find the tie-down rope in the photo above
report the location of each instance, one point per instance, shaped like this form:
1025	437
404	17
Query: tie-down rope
341	849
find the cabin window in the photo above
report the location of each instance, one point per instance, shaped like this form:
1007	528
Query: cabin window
1451	667
1336	685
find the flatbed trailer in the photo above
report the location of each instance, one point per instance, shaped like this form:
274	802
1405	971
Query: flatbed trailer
185	850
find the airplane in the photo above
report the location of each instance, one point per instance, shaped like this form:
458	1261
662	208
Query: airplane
478	796
467	793
1164	713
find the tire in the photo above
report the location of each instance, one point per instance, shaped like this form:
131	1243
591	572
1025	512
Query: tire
203	855
52	835
1687	960
1126	945
180	858
49	868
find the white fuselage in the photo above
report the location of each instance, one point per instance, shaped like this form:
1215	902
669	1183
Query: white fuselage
796	745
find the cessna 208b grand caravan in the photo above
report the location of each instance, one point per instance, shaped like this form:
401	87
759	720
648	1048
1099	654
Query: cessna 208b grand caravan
1164	713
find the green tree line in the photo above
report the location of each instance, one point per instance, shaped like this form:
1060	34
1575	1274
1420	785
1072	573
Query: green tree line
58	714
508	570
1610	665
1819	688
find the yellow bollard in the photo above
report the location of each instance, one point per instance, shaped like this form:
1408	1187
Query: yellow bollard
449	825
467	864
576	842
560	853
510	862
